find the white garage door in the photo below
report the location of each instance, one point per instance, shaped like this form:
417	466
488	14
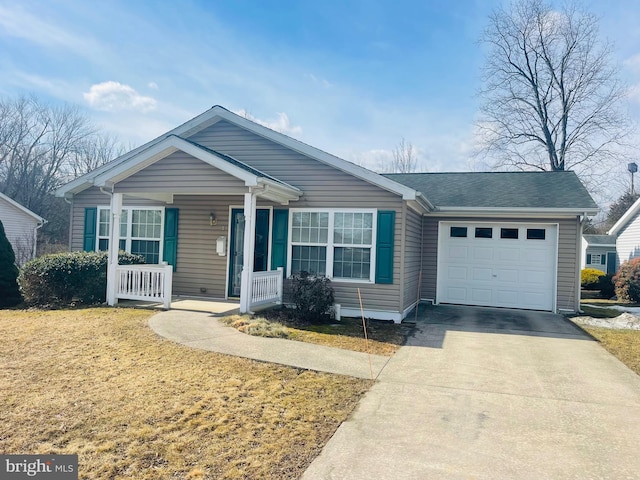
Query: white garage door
497	264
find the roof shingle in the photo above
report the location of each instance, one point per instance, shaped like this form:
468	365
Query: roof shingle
500	189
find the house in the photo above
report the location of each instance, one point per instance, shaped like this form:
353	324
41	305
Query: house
626	232
599	252
226	202
21	227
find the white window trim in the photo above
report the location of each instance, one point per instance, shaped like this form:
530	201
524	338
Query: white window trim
330	245
599	255
128	238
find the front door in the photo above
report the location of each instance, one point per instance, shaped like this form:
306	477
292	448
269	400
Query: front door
261	252
611	262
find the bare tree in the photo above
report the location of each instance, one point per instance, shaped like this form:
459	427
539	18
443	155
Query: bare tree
403	159
551	98
43	146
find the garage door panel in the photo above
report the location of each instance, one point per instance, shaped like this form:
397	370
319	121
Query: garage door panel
458	253
482	254
481	274
509	254
508	275
482	296
457	273
457	294
504	272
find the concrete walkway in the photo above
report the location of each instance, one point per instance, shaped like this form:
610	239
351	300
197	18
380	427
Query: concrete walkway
204	331
476	393
492	394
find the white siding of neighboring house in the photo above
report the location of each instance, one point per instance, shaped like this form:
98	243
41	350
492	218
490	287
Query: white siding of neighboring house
628	241
597	250
20	229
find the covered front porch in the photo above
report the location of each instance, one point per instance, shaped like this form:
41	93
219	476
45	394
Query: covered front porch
213	227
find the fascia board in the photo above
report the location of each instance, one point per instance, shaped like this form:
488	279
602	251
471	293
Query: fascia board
166	147
22	208
320	155
517	210
624	219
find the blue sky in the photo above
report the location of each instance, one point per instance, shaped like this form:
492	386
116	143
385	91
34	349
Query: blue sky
350	77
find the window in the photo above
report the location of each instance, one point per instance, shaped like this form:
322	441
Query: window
338	244
596	259
140	231
536	233
458	232
484	232
511	233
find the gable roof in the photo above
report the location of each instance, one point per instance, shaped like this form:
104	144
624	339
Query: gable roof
625	219
599	240
503	191
22	208
218	113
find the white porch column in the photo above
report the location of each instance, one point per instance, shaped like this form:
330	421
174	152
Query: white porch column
114	242
248	253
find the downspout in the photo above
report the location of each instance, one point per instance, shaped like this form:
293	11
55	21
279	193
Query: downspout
35	237
70	202
582	220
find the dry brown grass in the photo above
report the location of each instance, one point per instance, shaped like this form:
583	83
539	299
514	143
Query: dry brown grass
624	344
383	338
99	383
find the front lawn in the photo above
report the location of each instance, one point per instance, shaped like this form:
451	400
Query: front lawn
624	344
383	338
99	383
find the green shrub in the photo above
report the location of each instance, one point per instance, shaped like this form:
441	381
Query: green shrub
312	296
65	278
9	290
627	281
606	286
589	278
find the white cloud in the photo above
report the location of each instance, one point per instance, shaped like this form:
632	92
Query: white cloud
280	124
633	93
152	85
324	83
113	96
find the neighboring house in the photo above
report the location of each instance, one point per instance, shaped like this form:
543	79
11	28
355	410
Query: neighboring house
599	252
626	232
21	226
221	197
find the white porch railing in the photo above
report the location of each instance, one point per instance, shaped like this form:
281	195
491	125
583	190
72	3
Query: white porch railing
267	287
144	282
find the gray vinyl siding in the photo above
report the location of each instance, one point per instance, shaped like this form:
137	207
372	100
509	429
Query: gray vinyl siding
19	228
628	241
198	264
412	257
568	252
181	173
323	187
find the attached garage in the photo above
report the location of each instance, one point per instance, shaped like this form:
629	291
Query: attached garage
497	264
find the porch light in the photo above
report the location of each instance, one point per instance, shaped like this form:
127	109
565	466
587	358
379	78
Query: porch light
212	219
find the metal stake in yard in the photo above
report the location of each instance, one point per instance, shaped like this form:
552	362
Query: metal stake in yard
366	339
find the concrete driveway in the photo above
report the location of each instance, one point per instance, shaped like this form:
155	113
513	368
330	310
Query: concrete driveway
492	393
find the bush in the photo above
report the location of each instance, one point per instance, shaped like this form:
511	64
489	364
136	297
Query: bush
606	286
312	296
10	295
627	281
65	278
589	278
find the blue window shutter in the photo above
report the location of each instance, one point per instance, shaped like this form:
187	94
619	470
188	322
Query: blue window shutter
588	258
170	247
384	246
279	238
90	230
